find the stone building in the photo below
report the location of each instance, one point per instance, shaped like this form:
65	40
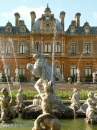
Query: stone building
74	48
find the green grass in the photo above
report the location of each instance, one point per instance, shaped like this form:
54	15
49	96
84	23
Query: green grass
62	94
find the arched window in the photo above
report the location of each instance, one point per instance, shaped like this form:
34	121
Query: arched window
37	46
22	48
58	47
47	47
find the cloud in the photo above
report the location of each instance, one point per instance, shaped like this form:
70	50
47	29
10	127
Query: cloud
95	15
24	12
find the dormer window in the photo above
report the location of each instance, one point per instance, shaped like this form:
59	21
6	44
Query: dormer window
72	30
9	27
86	30
22	28
8	30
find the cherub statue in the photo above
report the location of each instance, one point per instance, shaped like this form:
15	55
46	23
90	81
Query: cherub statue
75	99
7	112
19	98
91	112
47	121
43	70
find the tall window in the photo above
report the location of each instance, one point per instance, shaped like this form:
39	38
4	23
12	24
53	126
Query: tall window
7	70
73	70
22	48
72	48
22	70
87	48
7	48
37	46
58	47
88	70
47	47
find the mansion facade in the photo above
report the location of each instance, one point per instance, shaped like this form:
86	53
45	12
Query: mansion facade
74	48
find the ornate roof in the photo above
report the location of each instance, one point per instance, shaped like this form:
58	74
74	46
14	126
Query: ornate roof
14	29
80	30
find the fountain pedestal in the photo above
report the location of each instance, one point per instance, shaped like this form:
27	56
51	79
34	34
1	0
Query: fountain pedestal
78	76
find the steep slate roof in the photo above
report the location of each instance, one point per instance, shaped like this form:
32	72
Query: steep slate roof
14	29
80	30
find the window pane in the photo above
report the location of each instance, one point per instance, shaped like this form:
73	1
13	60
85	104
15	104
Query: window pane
57	48
22	49
88	70
87	48
72	48
37	46
7	49
47	47
7	71
73	70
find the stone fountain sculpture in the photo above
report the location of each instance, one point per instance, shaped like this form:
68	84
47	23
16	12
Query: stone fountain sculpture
16	83
91	112
47	120
75	100
20	101
7	112
94	77
78	75
43	70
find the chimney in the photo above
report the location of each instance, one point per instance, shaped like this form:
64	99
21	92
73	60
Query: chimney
62	16
17	16
33	16
77	18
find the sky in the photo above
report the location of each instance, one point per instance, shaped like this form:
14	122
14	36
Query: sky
87	8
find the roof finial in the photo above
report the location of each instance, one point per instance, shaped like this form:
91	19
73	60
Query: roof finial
47	4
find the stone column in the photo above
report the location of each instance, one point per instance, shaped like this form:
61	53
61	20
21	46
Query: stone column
42	49
63	70
32	45
63	46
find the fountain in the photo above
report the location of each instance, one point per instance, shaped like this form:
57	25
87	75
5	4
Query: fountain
78	70
51	107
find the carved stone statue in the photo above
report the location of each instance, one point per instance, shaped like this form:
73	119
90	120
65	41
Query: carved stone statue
91	112
43	70
75	99
78	71
94	77
47	120
7	112
69	80
78	75
20	103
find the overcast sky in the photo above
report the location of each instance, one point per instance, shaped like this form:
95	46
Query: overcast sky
87	8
